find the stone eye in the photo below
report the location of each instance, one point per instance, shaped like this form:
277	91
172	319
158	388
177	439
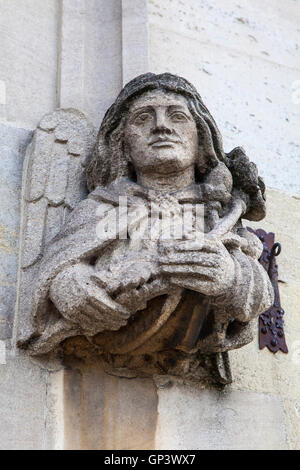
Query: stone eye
143	117
178	116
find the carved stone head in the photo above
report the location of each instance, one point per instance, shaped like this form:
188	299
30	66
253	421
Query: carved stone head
113	156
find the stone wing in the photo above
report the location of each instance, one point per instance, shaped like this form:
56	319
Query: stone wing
54	182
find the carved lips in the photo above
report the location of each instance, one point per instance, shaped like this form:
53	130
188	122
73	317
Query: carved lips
163	141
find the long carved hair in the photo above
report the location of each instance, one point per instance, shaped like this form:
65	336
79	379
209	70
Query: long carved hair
110	160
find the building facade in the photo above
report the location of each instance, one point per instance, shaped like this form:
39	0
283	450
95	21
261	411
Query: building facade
243	57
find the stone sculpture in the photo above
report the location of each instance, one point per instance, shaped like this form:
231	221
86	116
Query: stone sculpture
96	271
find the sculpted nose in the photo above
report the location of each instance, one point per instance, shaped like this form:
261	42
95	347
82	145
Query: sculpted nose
161	123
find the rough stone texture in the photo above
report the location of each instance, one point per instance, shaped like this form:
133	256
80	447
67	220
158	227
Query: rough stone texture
28	402
169	298
135	51
189	418
54	170
90	55
59	54
105	412
278	374
244	60
222	48
28	38
13	142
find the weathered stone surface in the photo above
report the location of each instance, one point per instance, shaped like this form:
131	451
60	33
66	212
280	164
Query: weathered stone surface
13	142
189	418
247	72
54	184
261	371
105	412
248	85
28	64
292	422
244	60
135	50
155	298
90	55
28	419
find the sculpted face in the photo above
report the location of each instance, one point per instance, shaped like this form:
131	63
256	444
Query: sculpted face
161	134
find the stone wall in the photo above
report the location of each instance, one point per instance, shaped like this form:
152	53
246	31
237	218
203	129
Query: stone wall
244	60
79	53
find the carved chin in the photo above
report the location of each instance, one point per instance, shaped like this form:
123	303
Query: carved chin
167	160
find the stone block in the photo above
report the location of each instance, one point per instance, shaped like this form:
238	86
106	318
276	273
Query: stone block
24	410
190	418
106	412
28	64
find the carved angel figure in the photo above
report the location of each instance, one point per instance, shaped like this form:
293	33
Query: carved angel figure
158	304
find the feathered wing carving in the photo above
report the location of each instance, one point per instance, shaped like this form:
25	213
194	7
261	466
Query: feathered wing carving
54	182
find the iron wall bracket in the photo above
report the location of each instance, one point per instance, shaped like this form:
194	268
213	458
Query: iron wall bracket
271	332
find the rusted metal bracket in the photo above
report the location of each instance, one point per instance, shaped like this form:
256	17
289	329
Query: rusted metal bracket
271	333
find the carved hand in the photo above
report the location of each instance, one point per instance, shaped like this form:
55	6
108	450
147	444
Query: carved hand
132	280
206	267
83	302
124	274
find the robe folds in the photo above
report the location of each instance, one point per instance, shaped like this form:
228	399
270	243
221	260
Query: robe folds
175	318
